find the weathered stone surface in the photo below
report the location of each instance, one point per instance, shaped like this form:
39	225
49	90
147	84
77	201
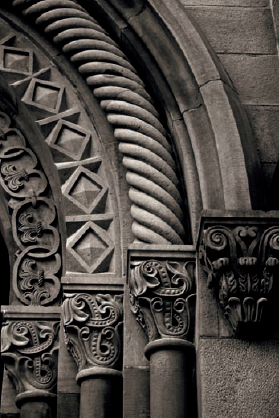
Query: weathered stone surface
264	122
8	394
268	170
68	405
238	378
236	30
254	77
136	392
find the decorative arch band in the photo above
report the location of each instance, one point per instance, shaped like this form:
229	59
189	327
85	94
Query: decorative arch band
156	207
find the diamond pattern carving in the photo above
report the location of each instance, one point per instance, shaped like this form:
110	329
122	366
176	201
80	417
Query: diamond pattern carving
85	189
90	245
44	95
70	139
16	60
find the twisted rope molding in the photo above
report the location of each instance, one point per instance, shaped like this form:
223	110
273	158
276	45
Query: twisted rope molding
153	184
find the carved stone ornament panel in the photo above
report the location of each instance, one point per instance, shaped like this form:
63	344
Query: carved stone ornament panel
34	219
241	264
29	351
86	185
162	296
92	326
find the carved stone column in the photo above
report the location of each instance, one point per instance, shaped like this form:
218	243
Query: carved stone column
93	335
162	296
29	350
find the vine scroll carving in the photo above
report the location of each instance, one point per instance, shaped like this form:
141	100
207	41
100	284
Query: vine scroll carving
92	326
241	264
162	296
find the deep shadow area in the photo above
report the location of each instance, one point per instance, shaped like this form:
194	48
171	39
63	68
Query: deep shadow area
4	290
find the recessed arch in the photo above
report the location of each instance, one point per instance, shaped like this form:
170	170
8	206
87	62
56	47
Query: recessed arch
204	114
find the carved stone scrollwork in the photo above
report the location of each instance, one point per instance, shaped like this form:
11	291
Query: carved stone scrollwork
29	351
241	264
34	219
92	326
162	296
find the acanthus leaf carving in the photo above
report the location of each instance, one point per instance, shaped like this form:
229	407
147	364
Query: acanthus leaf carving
161	297
29	350
92	326
241	263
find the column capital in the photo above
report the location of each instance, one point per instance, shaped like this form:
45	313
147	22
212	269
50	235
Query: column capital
162	291
29	351
240	255
92	325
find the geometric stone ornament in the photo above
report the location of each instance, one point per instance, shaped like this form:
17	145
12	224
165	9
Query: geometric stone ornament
92	326
29	351
162	296
157	208
241	262
91	247
69	138
86	190
44	95
16	60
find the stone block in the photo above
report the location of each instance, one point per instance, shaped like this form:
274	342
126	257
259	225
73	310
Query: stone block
268	170
8	395
254	77
238	378
68	405
67	370
133	353
207	319
236	30
136	392
264	122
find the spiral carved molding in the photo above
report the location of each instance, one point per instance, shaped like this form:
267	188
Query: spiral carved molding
156	207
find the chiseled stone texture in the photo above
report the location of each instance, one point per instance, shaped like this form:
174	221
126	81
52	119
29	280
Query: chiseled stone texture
239	378
254	77
236	29
264	122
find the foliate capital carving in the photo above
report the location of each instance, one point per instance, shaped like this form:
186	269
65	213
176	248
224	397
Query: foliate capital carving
92	326
29	350
162	296
241	264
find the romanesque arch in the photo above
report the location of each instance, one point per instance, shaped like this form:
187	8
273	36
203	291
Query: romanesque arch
120	151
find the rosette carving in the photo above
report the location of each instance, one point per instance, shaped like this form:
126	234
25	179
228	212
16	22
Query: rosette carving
29	351
154	191
92	329
241	264
34	219
162	296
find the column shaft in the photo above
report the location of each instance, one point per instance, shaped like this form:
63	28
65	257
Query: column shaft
100	393
171	382
35	409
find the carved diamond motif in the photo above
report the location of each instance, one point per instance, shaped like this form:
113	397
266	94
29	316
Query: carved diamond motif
70	139
44	95
90	246
86	190
16	60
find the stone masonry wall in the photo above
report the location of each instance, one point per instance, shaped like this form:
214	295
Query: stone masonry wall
243	34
